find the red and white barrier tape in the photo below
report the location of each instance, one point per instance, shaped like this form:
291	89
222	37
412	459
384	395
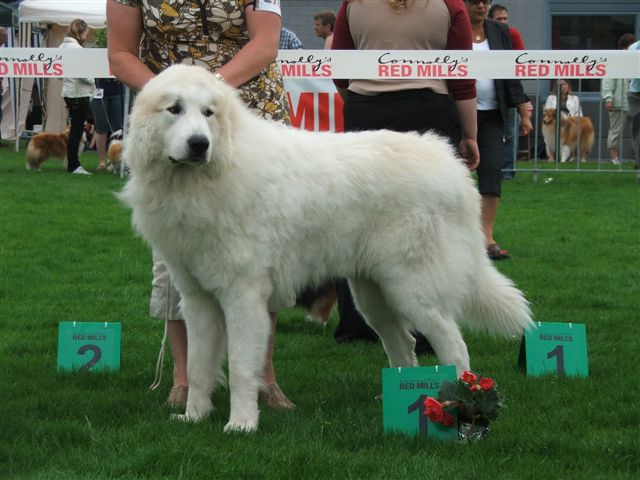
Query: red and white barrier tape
374	64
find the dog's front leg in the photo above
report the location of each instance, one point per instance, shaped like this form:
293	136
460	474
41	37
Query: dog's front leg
248	328
206	336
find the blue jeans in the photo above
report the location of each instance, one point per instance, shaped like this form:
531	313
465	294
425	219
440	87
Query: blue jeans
510	145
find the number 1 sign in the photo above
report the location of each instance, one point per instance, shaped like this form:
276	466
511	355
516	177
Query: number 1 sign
91	346
404	391
559	348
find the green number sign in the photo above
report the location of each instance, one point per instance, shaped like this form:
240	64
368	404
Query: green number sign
404	391
91	346
559	348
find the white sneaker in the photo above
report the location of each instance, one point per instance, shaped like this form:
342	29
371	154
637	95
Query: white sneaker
80	171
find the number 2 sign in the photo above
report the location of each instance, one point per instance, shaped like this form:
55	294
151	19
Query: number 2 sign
559	348
91	346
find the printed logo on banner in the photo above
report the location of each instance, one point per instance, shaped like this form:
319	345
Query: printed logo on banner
404	391
306	66
576	67
91	346
315	105
559	348
41	64
390	65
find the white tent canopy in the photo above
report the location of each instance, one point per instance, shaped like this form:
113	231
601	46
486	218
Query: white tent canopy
63	12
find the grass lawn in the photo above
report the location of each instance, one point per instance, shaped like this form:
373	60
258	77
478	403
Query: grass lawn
68	253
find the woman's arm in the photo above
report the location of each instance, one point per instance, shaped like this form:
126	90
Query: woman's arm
259	52
550	102
573	104
468	116
124	33
342	40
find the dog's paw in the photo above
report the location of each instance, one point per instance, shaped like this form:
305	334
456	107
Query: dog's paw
180	417
184	417
244	426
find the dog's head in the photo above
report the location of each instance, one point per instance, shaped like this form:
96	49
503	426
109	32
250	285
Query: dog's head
549	116
182	118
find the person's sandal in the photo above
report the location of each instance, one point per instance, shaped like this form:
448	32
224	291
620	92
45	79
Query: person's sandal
178	396
496	253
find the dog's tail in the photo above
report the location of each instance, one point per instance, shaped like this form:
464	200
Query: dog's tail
496	305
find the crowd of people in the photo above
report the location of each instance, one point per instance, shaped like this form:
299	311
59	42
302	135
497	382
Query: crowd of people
240	43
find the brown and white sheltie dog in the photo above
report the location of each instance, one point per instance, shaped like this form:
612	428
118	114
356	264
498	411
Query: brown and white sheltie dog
574	131
114	152
43	146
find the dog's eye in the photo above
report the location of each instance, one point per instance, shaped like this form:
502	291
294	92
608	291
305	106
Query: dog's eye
208	112
175	109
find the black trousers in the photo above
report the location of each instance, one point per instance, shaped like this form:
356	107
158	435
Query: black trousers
490	134
78	112
404	111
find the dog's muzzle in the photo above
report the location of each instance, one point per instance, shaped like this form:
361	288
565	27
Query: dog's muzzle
198	147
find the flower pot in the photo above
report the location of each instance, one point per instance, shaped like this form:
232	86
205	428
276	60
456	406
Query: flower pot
468	432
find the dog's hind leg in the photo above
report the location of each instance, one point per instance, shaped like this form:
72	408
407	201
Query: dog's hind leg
419	306
398	343
206	337
248	329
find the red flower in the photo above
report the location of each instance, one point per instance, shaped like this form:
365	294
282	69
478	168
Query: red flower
469	377
447	419
486	383
474	388
433	410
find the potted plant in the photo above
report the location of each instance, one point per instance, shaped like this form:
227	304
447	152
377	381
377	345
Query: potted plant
476	400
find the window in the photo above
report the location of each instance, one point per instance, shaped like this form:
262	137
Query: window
575	32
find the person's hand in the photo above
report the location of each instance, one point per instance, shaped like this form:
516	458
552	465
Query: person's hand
468	150
526	127
608	105
524	111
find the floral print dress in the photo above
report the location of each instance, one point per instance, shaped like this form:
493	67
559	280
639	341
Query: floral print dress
209	32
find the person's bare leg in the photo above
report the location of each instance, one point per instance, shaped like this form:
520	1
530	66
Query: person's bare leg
271	394
489	212
177	333
101	148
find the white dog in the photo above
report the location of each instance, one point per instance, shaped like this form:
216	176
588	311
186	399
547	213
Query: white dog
246	212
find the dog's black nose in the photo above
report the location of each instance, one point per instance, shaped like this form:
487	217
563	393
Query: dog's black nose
198	144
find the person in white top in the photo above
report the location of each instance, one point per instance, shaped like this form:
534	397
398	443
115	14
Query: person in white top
569	103
77	94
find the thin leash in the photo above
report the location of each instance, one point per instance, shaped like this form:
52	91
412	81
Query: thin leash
160	363
104	107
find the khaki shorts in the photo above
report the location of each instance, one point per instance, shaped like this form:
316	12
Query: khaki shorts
164	300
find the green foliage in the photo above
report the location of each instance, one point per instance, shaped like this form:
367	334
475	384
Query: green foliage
67	252
478	406
100	34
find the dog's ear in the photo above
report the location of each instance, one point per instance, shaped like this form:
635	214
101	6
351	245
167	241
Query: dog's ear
142	145
229	108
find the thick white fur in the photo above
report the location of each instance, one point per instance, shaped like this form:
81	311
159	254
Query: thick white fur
273	209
